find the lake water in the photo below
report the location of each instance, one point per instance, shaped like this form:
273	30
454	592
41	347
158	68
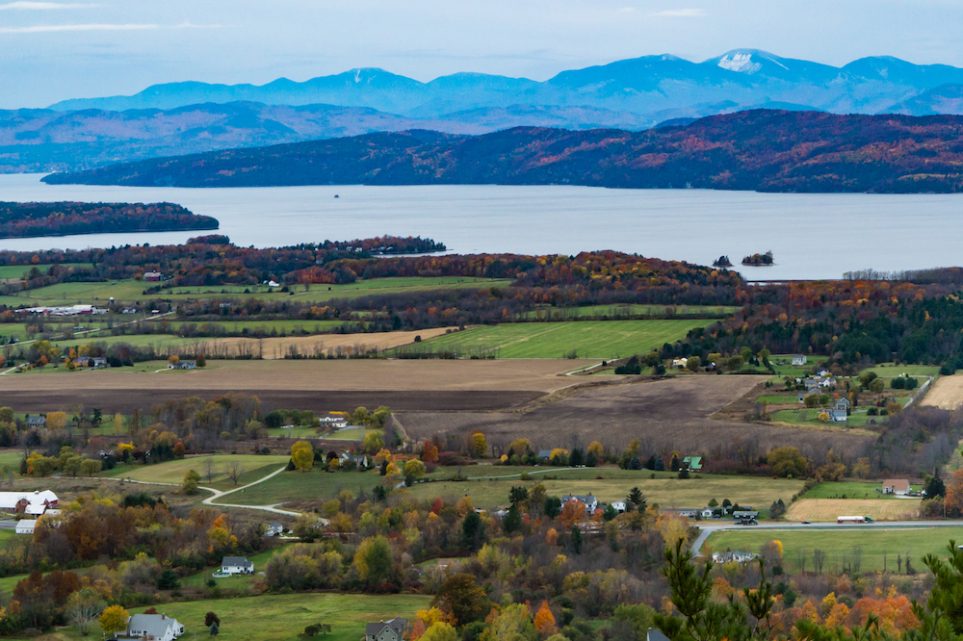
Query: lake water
811	235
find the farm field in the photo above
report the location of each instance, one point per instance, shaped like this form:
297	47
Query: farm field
584	339
253	467
488	485
366	375
946	393
807	509
629	311
277	347
129	291
851	490
17	272
663	413
891	370
281	617
878	546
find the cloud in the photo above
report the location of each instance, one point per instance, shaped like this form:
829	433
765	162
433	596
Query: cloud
680	13
24	5
103	26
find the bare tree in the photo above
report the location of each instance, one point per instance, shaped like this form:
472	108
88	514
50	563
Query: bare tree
209	469
234	472
819	559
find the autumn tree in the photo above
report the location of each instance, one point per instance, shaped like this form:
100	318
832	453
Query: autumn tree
413	470
190	483
545	620
83	607
788	461
477	445
512	623
113	619
373	561
462	597
302	456
440	631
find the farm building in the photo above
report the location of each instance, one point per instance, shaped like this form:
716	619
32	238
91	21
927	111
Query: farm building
184	364
654	634
32	503
153	277
798	360
390	630
896	487
158	627
237	565
36	420
274	528
619	506
26	526
733	556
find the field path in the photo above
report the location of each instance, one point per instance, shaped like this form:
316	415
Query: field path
217	494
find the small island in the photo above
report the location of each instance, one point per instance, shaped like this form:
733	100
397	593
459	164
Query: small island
758	260
722	261
33	219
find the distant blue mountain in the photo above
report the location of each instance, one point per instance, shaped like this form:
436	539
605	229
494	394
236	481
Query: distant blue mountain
649	89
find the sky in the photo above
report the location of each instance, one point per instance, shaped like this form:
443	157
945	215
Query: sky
51	50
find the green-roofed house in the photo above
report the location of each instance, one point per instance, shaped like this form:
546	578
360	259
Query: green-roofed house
692	463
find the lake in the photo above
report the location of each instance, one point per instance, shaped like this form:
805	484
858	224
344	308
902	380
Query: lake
811	235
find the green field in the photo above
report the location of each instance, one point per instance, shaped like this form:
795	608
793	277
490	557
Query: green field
238	583
128	291
253	467
488	485
877	546
282	617
889	370
10	458
850	490
583	339
16	272
627	311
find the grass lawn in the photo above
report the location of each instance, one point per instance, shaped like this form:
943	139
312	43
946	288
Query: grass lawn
584	339
878	547
778	399
851	490
890	370
282	617
240	582
127	291
355	434
253	467
488	485
626	311
10	457
806	416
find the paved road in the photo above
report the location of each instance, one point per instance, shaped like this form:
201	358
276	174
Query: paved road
706	530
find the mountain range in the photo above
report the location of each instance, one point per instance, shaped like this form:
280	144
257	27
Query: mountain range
636	94
763	150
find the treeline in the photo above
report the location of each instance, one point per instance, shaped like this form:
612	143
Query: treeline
24	220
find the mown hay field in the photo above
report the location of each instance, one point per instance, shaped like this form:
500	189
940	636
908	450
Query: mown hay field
878	509
875	548
581	339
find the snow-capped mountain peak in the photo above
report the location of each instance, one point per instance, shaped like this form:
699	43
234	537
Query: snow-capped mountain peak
747	61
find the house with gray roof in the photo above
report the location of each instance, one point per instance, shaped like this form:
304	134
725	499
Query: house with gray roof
237	565
390	630
152	627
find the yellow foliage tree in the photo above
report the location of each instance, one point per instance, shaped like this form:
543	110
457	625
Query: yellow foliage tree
478	445
113	619
302	455
56	420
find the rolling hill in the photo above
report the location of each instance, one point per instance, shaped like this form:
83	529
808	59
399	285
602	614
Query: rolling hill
766	150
